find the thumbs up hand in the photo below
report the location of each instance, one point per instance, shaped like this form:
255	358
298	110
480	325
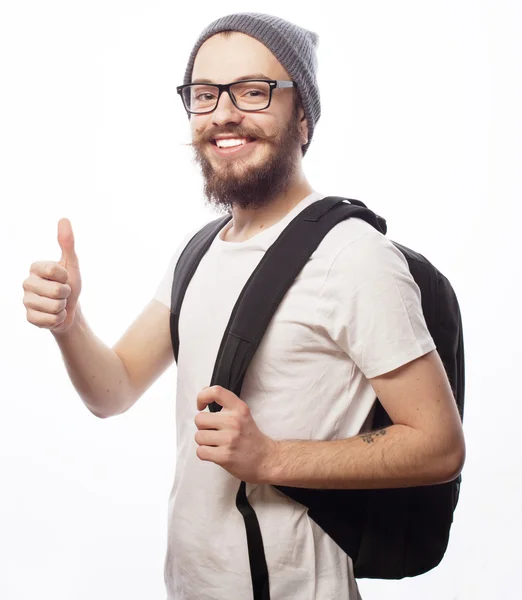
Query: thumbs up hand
53	288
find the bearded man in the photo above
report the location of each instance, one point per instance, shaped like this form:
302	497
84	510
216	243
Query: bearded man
350	328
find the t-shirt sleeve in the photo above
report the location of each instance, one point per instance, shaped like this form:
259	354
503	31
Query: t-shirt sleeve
372	308
163	292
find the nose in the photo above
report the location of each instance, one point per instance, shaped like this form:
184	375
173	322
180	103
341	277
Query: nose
226	112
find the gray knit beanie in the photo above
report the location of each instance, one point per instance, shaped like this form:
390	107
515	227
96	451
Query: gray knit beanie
293	46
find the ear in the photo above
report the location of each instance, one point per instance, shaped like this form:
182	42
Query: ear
303	125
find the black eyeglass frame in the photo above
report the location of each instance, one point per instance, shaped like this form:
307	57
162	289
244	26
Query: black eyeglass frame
225	87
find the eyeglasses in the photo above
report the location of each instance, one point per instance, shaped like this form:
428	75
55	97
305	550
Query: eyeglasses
249	95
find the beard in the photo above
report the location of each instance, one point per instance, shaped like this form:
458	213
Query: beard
250	186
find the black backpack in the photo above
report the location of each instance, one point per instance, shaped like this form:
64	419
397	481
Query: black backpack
388	533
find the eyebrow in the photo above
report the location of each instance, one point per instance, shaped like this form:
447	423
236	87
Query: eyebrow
252	76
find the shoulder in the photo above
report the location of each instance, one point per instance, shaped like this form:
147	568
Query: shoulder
164	288
358	252
370	304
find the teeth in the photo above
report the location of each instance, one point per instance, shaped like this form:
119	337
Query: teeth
230	142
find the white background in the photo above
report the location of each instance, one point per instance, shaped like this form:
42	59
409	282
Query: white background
421	120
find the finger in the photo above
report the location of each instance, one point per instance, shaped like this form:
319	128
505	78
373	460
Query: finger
209	437
204	398
205	453
45	320
208	420
66	243
219	420
44	287
218	455
42	304
222	396
50	270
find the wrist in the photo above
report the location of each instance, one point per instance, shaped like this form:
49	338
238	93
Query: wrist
73	333
271	465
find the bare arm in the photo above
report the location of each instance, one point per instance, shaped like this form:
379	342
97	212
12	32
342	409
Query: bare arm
425	444
108	380
111	380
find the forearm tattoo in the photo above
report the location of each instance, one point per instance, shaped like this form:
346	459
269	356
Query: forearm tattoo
371	436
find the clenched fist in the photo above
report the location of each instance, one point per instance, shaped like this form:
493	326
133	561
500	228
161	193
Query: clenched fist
53	288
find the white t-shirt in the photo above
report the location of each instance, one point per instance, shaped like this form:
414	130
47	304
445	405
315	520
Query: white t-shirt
353	313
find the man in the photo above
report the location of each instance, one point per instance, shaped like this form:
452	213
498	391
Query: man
350	328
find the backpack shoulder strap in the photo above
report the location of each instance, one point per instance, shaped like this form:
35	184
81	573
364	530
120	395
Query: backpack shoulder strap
250	317
271	280
185	268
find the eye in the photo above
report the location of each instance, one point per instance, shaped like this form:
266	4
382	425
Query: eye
254	93
203	93
205	96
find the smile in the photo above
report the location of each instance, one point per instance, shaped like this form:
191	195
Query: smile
227	146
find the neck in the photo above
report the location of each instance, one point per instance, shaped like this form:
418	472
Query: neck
248	222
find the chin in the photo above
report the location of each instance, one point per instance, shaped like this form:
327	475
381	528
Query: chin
260	155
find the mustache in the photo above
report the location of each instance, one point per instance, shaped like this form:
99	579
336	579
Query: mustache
239	131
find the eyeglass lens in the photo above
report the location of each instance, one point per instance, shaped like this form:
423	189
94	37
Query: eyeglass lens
252	95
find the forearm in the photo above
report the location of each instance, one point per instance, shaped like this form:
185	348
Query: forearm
95	370
397	456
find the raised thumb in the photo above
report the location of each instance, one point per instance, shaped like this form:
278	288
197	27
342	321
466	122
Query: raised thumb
66	242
